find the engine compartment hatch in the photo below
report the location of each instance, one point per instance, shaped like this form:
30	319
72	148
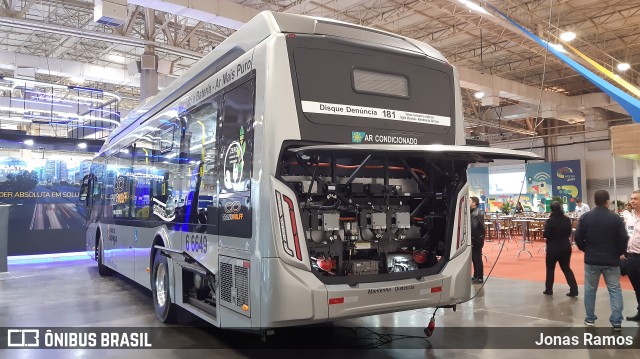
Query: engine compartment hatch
445	152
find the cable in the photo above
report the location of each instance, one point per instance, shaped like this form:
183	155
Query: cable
533	136
379	339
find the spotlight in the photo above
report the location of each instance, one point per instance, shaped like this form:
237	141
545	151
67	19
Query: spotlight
82	145
28	142
623	66
478	95
568	36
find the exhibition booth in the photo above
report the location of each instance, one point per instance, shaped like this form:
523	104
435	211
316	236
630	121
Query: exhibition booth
534	185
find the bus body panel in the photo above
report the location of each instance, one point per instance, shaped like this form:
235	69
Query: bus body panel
142	241
374	298
294	296
274	83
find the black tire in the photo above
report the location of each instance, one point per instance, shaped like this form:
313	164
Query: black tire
166	310
103	270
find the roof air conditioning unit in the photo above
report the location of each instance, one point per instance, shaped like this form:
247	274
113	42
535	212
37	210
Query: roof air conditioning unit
110	12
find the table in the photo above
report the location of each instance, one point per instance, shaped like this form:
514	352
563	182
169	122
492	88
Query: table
498	225
542	220
525	230
488	224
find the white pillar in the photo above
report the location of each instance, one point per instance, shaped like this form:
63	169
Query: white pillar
148	74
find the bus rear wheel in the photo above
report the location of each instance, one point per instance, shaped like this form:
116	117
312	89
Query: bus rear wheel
103	270
166	311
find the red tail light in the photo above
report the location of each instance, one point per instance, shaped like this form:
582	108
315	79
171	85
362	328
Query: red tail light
336	300
325	264
460	221
294	226
420	256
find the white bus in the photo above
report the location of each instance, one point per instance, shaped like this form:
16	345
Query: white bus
306	170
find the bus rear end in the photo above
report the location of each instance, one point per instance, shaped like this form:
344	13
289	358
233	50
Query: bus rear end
363	226
370	204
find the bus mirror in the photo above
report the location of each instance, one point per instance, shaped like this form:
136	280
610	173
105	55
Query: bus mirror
84	190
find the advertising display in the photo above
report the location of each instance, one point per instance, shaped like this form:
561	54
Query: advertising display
497	185
45	215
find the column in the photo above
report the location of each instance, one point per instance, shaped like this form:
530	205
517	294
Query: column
148	74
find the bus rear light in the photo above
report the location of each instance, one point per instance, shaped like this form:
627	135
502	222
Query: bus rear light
436	289
294	226
291	36
420	256
326	264
246	264
336	300
460	221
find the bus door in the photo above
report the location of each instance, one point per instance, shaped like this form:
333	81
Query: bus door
200	168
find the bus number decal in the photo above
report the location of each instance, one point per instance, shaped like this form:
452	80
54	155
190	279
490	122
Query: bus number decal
196	243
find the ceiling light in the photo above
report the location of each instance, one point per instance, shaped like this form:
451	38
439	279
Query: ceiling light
568	36
473	6
478	95
623	66
82	145
28	142
116	58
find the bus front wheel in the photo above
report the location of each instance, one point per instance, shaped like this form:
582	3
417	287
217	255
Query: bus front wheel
166	311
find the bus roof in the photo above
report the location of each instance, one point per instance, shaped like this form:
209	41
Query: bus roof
247	37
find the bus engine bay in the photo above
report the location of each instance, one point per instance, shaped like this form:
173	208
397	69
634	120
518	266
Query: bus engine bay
372	214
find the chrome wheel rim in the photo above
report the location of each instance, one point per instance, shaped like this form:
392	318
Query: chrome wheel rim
161	296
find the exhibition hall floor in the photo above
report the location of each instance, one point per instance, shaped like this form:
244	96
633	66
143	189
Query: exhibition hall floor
532	268
72	294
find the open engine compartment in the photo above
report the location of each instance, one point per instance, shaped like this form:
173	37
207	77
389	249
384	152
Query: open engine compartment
372	214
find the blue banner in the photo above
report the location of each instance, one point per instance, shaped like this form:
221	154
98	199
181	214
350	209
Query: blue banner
628	102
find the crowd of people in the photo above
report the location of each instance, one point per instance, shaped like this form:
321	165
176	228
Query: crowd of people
611	246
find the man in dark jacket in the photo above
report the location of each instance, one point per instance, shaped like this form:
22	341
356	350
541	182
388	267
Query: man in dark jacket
603	239
477	240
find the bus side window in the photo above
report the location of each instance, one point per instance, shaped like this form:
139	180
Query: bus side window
201	138
166	174
97	169
123	183
143	173
236	156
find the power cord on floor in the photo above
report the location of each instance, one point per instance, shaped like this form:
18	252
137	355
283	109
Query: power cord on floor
380	339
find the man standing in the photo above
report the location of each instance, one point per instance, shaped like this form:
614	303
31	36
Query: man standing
603	239
581	208
633	249
477	240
